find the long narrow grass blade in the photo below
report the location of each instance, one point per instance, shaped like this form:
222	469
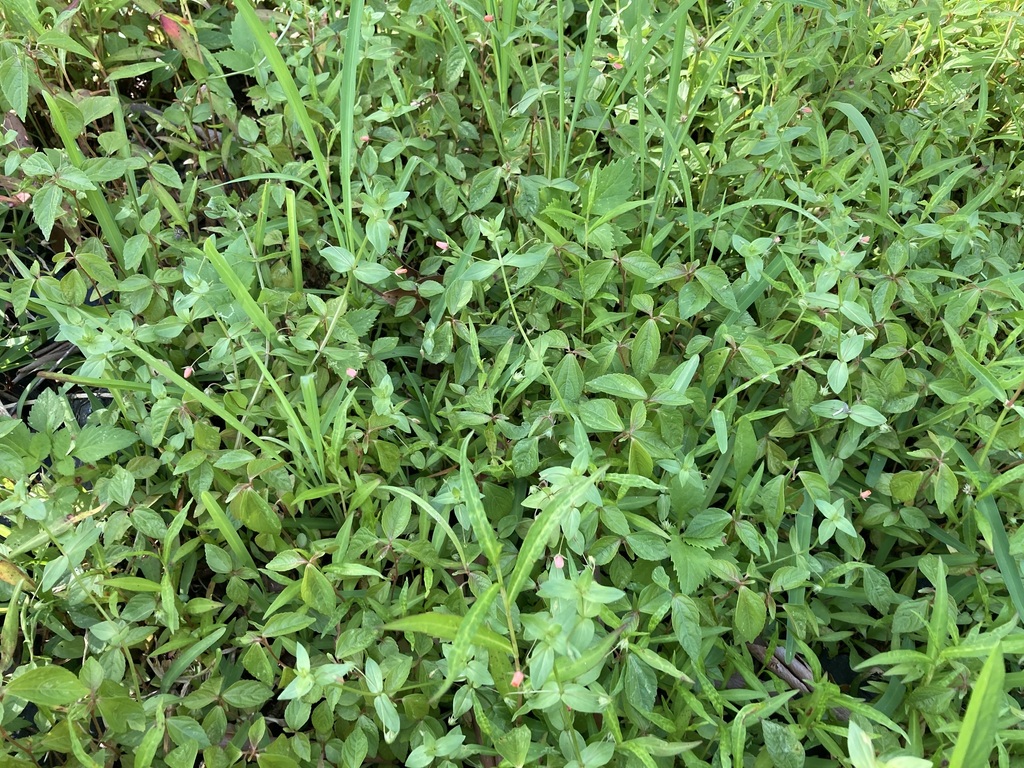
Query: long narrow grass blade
465	638
238	290
537	538
440	521
97	201
477	515
291	91
445	626
227	530
978	731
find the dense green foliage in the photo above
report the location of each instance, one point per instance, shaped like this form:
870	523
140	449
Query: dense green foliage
530	383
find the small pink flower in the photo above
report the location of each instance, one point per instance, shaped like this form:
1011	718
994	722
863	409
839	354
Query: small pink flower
517	678
351	372
441	244
776	239
616	65
401	271
559	562
805	110
189	370
489	17
865	494
864	239
364	139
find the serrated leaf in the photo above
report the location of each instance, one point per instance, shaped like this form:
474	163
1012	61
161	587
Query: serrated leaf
692	565
49	686
600	415
618	385
714	279
45	207
95	442
610	187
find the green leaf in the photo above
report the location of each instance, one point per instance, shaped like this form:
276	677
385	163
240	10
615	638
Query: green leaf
866	415
610	187
646	348
14	83
692	565
95	442
45	207
977	734
564	498
600	415
783	745
247	694
317	592
478	519
445	626
255	512
49	686
618	385
714	279
751	614
594	277
483	188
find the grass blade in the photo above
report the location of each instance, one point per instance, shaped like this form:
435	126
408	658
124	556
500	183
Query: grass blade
477	515
978	732
536	541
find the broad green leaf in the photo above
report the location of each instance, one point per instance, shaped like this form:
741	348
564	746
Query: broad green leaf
646	349
95	442
45	207
715	281
600	415
618	385
783	744
317	591
14	83
49	686
483	188
750	615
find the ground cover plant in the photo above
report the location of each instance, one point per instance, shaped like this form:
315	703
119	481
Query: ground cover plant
500	384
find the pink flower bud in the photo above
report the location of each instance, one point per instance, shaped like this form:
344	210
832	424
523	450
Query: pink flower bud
364	139
517	678
559	562
351	372
442	245
401	271
616	65
488	17
189	370
865	494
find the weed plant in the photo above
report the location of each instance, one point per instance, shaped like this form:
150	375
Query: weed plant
520	383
